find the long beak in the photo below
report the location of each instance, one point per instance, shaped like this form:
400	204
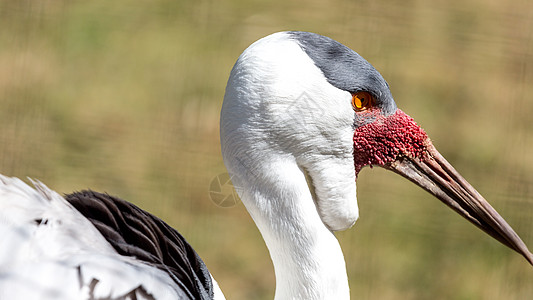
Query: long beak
434	174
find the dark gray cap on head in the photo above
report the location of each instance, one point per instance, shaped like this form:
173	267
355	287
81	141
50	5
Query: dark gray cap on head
344	68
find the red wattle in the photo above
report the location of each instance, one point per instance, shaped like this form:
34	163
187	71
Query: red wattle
386	139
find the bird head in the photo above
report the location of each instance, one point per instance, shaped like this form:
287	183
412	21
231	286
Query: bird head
302	99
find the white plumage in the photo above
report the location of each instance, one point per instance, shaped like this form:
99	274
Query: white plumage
268	138
51	251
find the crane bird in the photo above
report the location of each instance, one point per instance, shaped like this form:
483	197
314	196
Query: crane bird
302	115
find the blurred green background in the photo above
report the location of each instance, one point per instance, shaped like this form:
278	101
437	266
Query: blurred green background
124	97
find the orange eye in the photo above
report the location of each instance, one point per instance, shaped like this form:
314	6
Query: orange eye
362	101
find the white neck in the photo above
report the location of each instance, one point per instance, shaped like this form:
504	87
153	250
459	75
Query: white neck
273	130
308	260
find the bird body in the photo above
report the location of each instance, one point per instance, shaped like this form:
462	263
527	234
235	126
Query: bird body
52	251
302	116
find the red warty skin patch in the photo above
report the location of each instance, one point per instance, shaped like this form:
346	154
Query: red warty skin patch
384	140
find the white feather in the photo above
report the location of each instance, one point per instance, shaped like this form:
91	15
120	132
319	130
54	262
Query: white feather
50	251
279	119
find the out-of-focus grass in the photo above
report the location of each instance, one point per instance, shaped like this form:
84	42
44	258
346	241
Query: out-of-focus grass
124	97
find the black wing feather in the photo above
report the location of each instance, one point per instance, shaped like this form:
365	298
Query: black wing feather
135	232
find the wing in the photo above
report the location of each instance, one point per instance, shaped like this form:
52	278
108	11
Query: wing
52	251
136	233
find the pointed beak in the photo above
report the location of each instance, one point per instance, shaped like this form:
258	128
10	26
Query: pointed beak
397	143
435	175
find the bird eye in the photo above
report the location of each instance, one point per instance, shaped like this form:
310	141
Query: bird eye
362	101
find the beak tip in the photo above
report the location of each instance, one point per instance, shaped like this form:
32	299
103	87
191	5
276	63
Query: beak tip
529	257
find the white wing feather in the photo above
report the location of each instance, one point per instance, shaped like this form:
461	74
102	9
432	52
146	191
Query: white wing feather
50	251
